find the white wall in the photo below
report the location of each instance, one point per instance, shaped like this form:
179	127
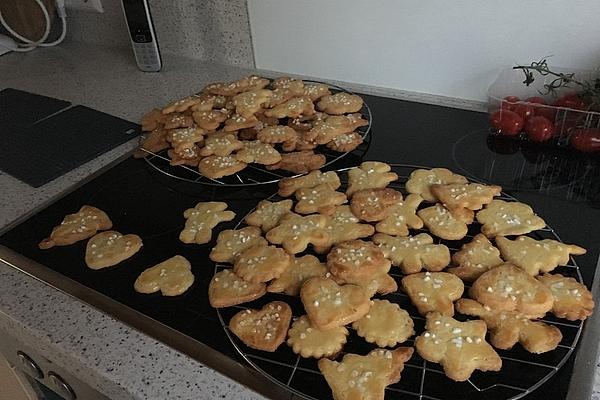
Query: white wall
452	48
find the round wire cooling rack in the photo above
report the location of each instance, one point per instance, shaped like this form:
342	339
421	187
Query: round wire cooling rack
255	174
420	379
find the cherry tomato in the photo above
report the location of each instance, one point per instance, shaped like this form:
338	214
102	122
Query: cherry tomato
524	110
539	129
536	100
506	122
548	112
571	101
508	102
586	140
568	123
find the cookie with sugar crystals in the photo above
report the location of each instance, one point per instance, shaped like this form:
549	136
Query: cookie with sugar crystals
226	289
109	248
346	142
248	103
287	186
220	145
295	232
343	225
261	263
171	277
210	120
374	204
386	324
503	218
327	129
340	103
181	105
263	329
78	226
572	300
369	175
216	167
292	108
465	195
232	242
309	341
258	152
401	216
299	162
267	214
475	258
316	90
433	291
237	122
201	220
421	180
300	270
412	254
446	224
319	199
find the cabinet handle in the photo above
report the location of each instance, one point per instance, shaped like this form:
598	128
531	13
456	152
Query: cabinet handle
30	366
61	387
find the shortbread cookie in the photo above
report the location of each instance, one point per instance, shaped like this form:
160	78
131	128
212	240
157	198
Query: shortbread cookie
248	133
208	102
252	82
305	123
381	283
343	225
226	289
465	195
171	277
216	167
386	324
374	204
299	162
201	219
75	227
152	120
232	242
263	329
475	258
177	120
319	199
285	82
300	143
261	263
327	129
209	120
433	291
292	108
258	152
345	142
220	145
300	270
247	103
277	134
316	90
503	218
279	96
508	328
181	105
460	347
401	216
295	232
357	261
444	223
185	138
330	305
421	180
237	122
155	142
189	156
357	120
340	103
310	341
287	186
509	288
412	254
110	248
572	300
267	214
369	175
536	256
364	377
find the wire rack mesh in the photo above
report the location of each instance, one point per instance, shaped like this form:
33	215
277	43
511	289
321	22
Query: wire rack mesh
420	379
255	174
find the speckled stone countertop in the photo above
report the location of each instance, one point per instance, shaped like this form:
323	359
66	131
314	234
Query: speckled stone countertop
113	358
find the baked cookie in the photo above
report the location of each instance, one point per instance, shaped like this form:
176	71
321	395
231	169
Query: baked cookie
509	288
287	186
171	277
433	291
295	232
420	181
343	225
226	289
305	123
208	102
374	204
261	263
572	300
369	175
277	134
109	248
267	214
310	341
340	103
327	129
201	219
232	242
357	120
357	261
401	216
152	120
75	227
536	256
299	162
329	305
475	258
364	377
386	324
345	143
248	83
188	156
319	199
209	120
315	90
279	96
181	105
508	328
154	142
220	145
412	254
446	224
460	347
503	218
258	152
177	120
301	269
465	195
215	167
263	329
285	82
237	122
247	103
292	108
185	138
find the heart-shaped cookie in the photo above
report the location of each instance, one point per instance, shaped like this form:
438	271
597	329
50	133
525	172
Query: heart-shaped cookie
110	248
330	305
263	329
172	277
226	289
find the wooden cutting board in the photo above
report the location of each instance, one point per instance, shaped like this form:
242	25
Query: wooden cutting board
26	17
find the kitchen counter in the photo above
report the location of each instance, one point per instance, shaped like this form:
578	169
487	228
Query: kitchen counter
113	358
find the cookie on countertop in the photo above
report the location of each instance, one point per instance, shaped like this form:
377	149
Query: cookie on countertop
226	289
171	277
475	258
386	324
433	291
503	218
109	248
412	254
75	227
201	220
572	300
232	242
421	180
263	329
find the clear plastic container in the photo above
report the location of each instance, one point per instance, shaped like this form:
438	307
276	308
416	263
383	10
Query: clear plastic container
566	120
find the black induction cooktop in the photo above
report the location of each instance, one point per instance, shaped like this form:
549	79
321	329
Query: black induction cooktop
141	200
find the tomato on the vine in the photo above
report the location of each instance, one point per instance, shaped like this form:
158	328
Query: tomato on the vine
571	100
524	110
506	122
539	129
536	100
586	140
